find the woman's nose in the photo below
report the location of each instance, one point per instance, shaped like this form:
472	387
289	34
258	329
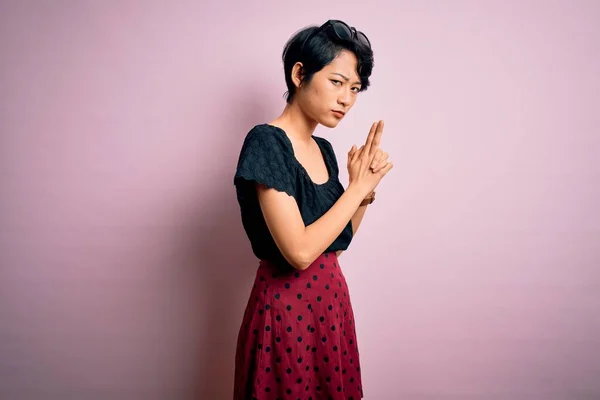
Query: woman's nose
344	98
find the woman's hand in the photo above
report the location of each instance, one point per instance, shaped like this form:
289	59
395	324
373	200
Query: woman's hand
368	165
380	160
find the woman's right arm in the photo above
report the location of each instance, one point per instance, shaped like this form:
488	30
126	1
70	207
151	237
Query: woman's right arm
300	244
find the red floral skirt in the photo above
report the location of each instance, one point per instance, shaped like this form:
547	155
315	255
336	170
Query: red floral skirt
297	339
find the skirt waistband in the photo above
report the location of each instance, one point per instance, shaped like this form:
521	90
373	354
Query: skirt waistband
329	256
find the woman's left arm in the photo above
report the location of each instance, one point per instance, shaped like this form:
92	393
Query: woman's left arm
356	220
379	161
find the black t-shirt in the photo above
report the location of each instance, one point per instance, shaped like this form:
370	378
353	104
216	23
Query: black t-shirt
267	157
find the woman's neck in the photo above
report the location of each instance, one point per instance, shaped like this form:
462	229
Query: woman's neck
296	123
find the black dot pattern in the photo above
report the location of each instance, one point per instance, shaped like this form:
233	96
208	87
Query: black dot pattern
298	347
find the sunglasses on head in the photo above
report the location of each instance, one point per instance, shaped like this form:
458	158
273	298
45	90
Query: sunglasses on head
342	31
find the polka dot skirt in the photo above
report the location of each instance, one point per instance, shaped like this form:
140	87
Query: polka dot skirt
297	339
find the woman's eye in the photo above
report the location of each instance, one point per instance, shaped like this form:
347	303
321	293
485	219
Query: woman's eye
356	89
335	82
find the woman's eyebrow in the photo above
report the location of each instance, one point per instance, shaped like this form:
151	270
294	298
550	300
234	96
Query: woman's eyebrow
345	77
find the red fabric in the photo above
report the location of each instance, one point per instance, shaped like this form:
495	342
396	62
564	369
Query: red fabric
297	339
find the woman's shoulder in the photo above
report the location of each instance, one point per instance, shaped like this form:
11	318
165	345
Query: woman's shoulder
266	144
265	158
264	129
267	136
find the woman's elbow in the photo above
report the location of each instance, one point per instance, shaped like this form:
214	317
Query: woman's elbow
303	261
296	253
299	260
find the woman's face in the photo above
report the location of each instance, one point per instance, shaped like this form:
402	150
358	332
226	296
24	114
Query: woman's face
332	91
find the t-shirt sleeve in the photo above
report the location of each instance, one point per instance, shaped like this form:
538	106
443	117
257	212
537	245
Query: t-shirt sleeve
266	159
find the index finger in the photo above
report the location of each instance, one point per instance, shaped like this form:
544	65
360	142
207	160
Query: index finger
374	138
378	134
370	136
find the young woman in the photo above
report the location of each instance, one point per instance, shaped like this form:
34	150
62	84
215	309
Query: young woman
297	339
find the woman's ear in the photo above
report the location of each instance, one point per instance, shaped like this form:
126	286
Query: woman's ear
298	74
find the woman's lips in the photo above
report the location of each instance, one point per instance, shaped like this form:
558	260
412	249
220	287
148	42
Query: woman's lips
339	114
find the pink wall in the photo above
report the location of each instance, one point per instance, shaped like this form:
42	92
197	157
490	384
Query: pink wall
124	266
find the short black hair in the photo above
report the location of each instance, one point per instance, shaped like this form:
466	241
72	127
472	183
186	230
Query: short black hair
320	51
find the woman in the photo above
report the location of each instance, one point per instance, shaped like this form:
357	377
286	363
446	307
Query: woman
297	339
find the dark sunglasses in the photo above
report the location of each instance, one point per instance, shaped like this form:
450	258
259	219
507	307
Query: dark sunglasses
342	31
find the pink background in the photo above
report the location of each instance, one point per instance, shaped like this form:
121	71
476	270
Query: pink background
124	266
